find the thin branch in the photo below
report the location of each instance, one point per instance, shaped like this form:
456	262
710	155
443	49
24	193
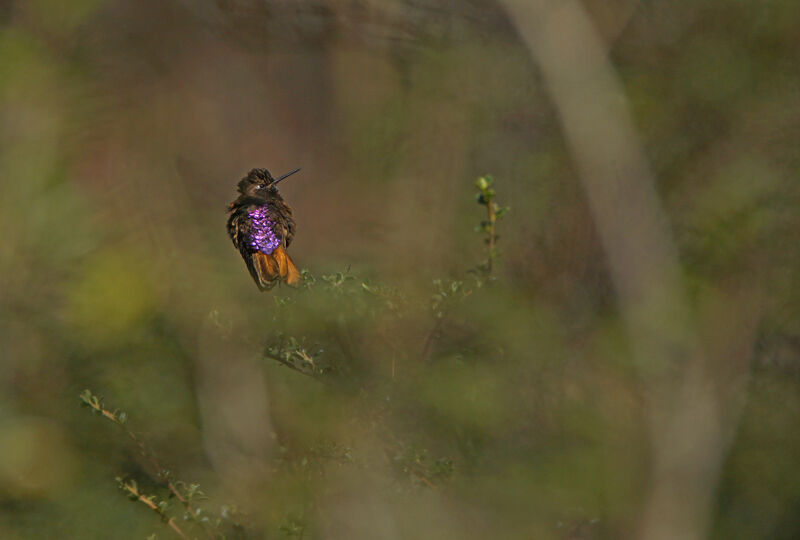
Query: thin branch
158	471
428	346
293	366
134	492
425	480
492	221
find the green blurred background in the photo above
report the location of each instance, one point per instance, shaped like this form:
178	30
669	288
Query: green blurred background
124	127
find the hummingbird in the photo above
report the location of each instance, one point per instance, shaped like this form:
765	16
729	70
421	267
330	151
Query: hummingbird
261	227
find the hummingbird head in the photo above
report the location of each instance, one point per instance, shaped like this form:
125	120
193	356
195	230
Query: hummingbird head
259	182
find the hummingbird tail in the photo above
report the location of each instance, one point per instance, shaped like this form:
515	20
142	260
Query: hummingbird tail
288	271
274	267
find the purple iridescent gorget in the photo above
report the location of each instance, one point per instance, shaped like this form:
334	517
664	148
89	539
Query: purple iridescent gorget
262	235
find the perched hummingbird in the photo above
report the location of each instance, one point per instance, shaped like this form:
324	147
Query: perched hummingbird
261	227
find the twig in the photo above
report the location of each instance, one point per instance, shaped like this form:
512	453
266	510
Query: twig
286	355
291	365
134	491
425	480
426	349
492	221
158	471
486	197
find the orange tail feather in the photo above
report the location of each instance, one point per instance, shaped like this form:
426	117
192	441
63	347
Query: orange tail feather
280	258
292	274
272	267
288	271
266	268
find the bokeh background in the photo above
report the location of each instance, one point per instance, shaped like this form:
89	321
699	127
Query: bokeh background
527	412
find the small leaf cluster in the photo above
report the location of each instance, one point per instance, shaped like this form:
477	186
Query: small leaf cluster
294	526
414	463
292	353
448	293
485	197
95	403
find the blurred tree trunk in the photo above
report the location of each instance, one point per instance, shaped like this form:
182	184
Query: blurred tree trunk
233	402
689	427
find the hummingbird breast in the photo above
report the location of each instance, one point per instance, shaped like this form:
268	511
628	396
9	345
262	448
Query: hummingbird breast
262	230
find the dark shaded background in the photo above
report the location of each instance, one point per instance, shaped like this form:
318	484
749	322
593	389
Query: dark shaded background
124	127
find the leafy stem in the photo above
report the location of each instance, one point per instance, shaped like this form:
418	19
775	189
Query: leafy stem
132	489
158	472
494	212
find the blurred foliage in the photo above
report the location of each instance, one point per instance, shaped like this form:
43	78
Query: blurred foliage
329	311
196	520
395	394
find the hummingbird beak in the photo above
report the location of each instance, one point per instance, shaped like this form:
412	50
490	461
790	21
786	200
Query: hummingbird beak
285	176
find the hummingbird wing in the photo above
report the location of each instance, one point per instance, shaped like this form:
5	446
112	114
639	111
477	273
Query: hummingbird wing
240	230
281	215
